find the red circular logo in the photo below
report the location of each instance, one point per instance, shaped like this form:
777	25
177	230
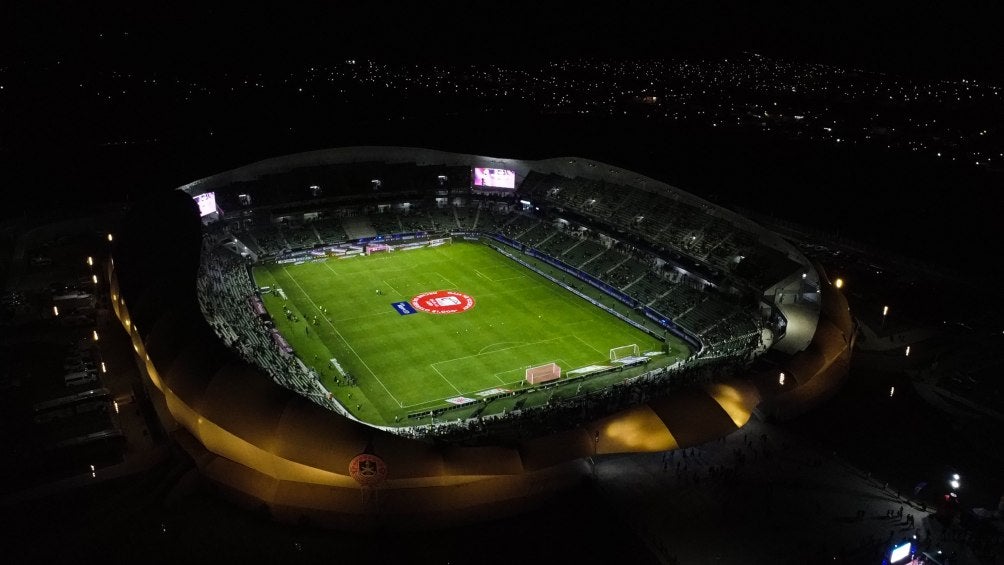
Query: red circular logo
442	302
367	469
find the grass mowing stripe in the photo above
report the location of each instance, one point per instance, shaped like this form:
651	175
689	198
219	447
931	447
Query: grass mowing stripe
587	345
404	360
433	365
347	344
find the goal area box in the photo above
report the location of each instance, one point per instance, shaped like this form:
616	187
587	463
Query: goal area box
543	373
627	355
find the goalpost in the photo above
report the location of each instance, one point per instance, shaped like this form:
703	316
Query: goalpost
624	353
543	373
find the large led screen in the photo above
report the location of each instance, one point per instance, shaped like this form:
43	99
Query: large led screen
495	178
206	202
900	553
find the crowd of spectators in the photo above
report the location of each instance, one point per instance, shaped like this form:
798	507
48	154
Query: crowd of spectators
687	226
565	408
712	316
729	332
226	294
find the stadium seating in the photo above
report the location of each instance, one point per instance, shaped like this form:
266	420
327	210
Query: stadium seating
225	288
663	221
692	229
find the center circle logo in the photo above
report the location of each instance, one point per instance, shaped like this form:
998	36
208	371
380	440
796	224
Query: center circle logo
442	302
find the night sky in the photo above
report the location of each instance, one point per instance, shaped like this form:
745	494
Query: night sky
924	38
60	139
48	49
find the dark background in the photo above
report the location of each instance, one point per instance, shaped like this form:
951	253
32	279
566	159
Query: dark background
942	39
59	153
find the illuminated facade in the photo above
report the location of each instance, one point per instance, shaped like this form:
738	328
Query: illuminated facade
263	444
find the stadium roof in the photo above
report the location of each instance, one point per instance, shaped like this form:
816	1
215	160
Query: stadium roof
264	443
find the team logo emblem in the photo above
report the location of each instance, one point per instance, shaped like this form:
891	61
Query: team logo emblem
442	302
367	469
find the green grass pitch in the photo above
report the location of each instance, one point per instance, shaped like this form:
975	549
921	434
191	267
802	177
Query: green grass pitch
409	363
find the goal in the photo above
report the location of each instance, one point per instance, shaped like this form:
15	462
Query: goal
543	373
624	353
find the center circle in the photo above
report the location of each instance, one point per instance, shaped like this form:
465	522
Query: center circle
442	302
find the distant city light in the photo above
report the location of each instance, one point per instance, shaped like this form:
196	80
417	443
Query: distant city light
907	351
110	238
892	391
95	334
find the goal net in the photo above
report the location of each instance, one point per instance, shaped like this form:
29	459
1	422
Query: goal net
625	353
543	373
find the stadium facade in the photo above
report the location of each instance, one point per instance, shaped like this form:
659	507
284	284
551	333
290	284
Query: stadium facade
257	431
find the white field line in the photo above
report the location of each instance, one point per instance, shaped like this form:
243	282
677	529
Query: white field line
512	278
499	350
347	344
512	384
482	350
503	279
396	291
598	352
445	379
453	285
350	318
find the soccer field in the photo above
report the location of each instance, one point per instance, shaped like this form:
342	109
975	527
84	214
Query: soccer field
406	360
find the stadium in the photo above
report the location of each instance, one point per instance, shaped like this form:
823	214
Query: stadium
375	337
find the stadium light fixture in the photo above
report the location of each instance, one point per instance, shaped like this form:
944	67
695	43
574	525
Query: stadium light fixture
94	475
116	404
907	351
780	379
885	310
103	368
839	283
110	238
95	334
955	484
94	278
892	391
90	261
55	311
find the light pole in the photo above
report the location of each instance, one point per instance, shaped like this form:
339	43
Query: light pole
955	482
